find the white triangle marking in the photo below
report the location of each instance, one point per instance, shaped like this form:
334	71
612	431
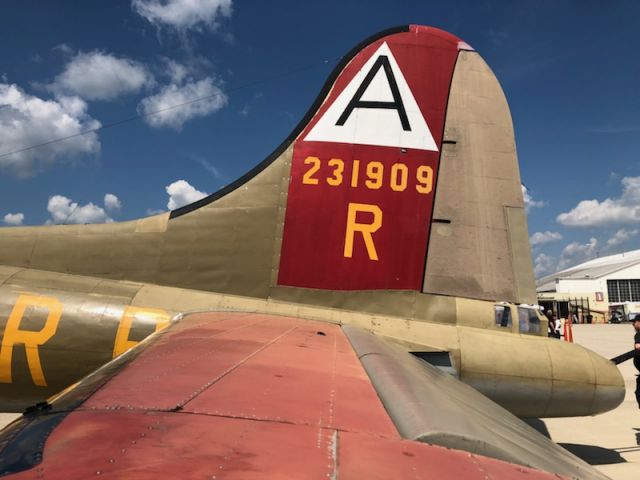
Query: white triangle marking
371	125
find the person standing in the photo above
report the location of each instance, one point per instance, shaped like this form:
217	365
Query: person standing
551	324
557	325
636	357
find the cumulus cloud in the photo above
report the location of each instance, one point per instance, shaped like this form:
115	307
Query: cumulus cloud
544	265
529	202
64	210
540	238
26	120
621	236
111	202
100	76
176	71
184	14
611	211
577	252
14	219
176	104
182	193
572	254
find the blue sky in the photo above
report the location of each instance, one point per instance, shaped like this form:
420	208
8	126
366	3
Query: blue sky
570	71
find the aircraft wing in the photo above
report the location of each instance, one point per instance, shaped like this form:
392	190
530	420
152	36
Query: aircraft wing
246	395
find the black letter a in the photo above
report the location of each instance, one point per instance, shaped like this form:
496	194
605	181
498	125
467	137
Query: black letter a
356	102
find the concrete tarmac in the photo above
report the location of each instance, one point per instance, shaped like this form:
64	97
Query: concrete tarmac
610	442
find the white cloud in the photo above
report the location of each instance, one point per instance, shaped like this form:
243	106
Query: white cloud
211	168
184	14
14	219
621	236
544	265
26	120
540	238
101	76
111	202
577	248
182	193
154	211
64	210
176	71
529	202
611	211
175	105
63	48
577	252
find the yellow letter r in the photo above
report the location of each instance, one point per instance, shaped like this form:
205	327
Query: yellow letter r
366	229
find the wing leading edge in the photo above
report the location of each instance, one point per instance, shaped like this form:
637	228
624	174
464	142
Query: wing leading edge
234	395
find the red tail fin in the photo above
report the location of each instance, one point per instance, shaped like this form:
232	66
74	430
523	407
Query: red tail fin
364	170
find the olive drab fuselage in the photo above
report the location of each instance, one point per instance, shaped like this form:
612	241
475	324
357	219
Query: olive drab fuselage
52	338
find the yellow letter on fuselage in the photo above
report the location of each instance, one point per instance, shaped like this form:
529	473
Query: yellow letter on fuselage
147	315
367	229
30	339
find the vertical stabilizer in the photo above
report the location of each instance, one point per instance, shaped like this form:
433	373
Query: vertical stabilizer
479	245
401	180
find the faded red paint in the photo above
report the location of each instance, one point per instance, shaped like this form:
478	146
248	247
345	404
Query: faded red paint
261	397
305	378
252	366
139	445
316	217
369	457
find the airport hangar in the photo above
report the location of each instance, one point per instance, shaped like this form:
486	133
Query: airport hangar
594	289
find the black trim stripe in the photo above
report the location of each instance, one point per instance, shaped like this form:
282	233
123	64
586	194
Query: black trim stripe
326	88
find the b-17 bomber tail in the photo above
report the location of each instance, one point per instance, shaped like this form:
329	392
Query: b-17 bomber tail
398	192
365	290
395	204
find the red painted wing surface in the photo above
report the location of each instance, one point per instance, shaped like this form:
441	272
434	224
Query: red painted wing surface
229	395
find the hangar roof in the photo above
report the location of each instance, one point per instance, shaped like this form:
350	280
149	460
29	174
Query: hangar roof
595	268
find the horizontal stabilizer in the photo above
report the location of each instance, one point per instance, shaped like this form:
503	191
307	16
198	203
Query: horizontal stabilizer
433	407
